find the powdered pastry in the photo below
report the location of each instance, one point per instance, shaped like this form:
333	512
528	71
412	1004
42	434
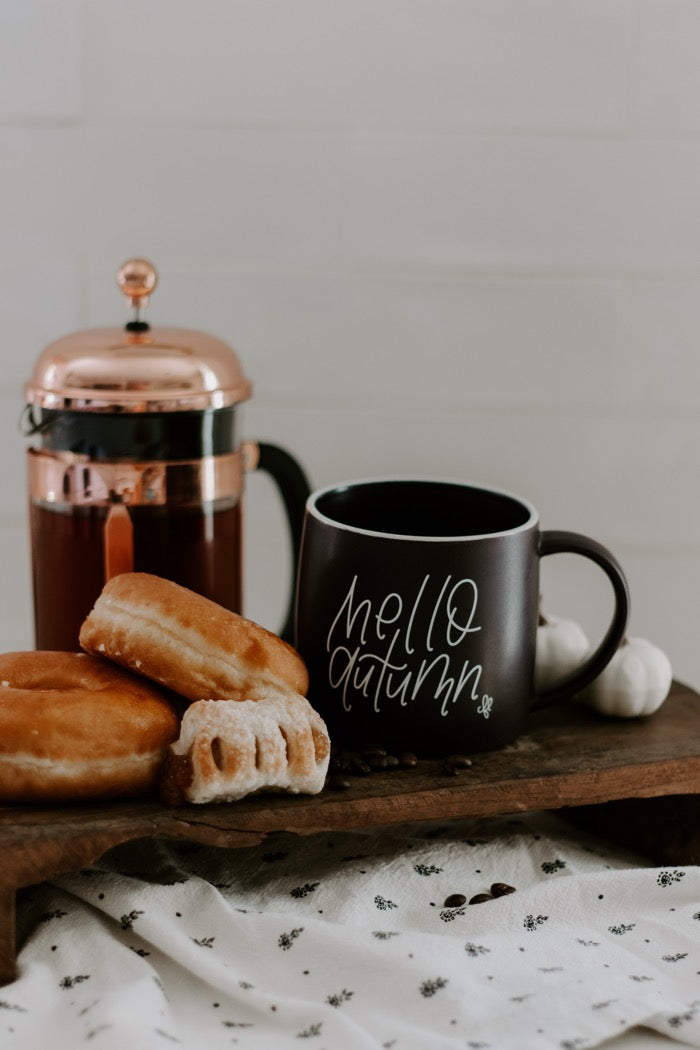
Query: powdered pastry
230	749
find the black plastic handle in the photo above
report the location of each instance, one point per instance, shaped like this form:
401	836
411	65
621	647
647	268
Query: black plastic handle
294	489
553	542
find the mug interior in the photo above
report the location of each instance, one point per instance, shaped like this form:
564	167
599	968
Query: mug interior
412	507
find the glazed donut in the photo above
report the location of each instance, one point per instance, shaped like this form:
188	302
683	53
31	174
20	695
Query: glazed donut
73	727
188	643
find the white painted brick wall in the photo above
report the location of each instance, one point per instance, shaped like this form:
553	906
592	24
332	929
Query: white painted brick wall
458	237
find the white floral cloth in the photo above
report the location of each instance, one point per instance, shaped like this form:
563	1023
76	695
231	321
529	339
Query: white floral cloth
344	941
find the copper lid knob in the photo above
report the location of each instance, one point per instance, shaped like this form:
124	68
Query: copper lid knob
137	278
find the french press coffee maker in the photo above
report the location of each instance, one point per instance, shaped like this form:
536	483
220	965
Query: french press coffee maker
138	465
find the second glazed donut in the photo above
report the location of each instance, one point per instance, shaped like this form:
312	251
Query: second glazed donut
187	642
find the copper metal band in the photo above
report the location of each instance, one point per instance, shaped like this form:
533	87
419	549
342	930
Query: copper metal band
66	478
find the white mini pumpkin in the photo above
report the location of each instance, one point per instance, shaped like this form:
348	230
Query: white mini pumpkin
561	647
635	683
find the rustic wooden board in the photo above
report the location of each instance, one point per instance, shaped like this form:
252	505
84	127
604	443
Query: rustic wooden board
570	757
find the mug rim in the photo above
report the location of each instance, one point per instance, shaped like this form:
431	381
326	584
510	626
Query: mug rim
427	479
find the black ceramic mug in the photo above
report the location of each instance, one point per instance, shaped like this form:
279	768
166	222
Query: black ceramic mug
416	613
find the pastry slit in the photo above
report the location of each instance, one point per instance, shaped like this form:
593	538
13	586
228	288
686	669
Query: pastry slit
218	753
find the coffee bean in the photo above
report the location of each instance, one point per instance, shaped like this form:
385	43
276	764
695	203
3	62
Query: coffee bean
340	763
454	764
459	761
336	782
453	769
373	751
455	900
372	758
480	898
501	889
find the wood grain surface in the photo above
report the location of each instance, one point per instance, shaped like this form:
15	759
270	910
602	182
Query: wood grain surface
569	757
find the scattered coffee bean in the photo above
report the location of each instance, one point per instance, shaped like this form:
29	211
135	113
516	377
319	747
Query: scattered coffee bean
459	761
501	889
336	782
373	751
455	900
480	898
454	764
374	758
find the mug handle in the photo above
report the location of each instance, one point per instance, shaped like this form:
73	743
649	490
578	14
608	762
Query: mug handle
294	489
557	542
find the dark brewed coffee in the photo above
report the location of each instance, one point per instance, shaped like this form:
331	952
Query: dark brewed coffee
198	547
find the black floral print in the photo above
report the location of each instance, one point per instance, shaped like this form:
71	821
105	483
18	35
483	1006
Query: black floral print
476	949
127	921
4	1005
448	914
339	998
70	982
429	988
621	928
383	904
273	856
57	913
303	891
311	1031
667	878
550	866
678	1020
531	922
286	940
427	869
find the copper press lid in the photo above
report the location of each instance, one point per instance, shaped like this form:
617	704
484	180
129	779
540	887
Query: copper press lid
137	368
